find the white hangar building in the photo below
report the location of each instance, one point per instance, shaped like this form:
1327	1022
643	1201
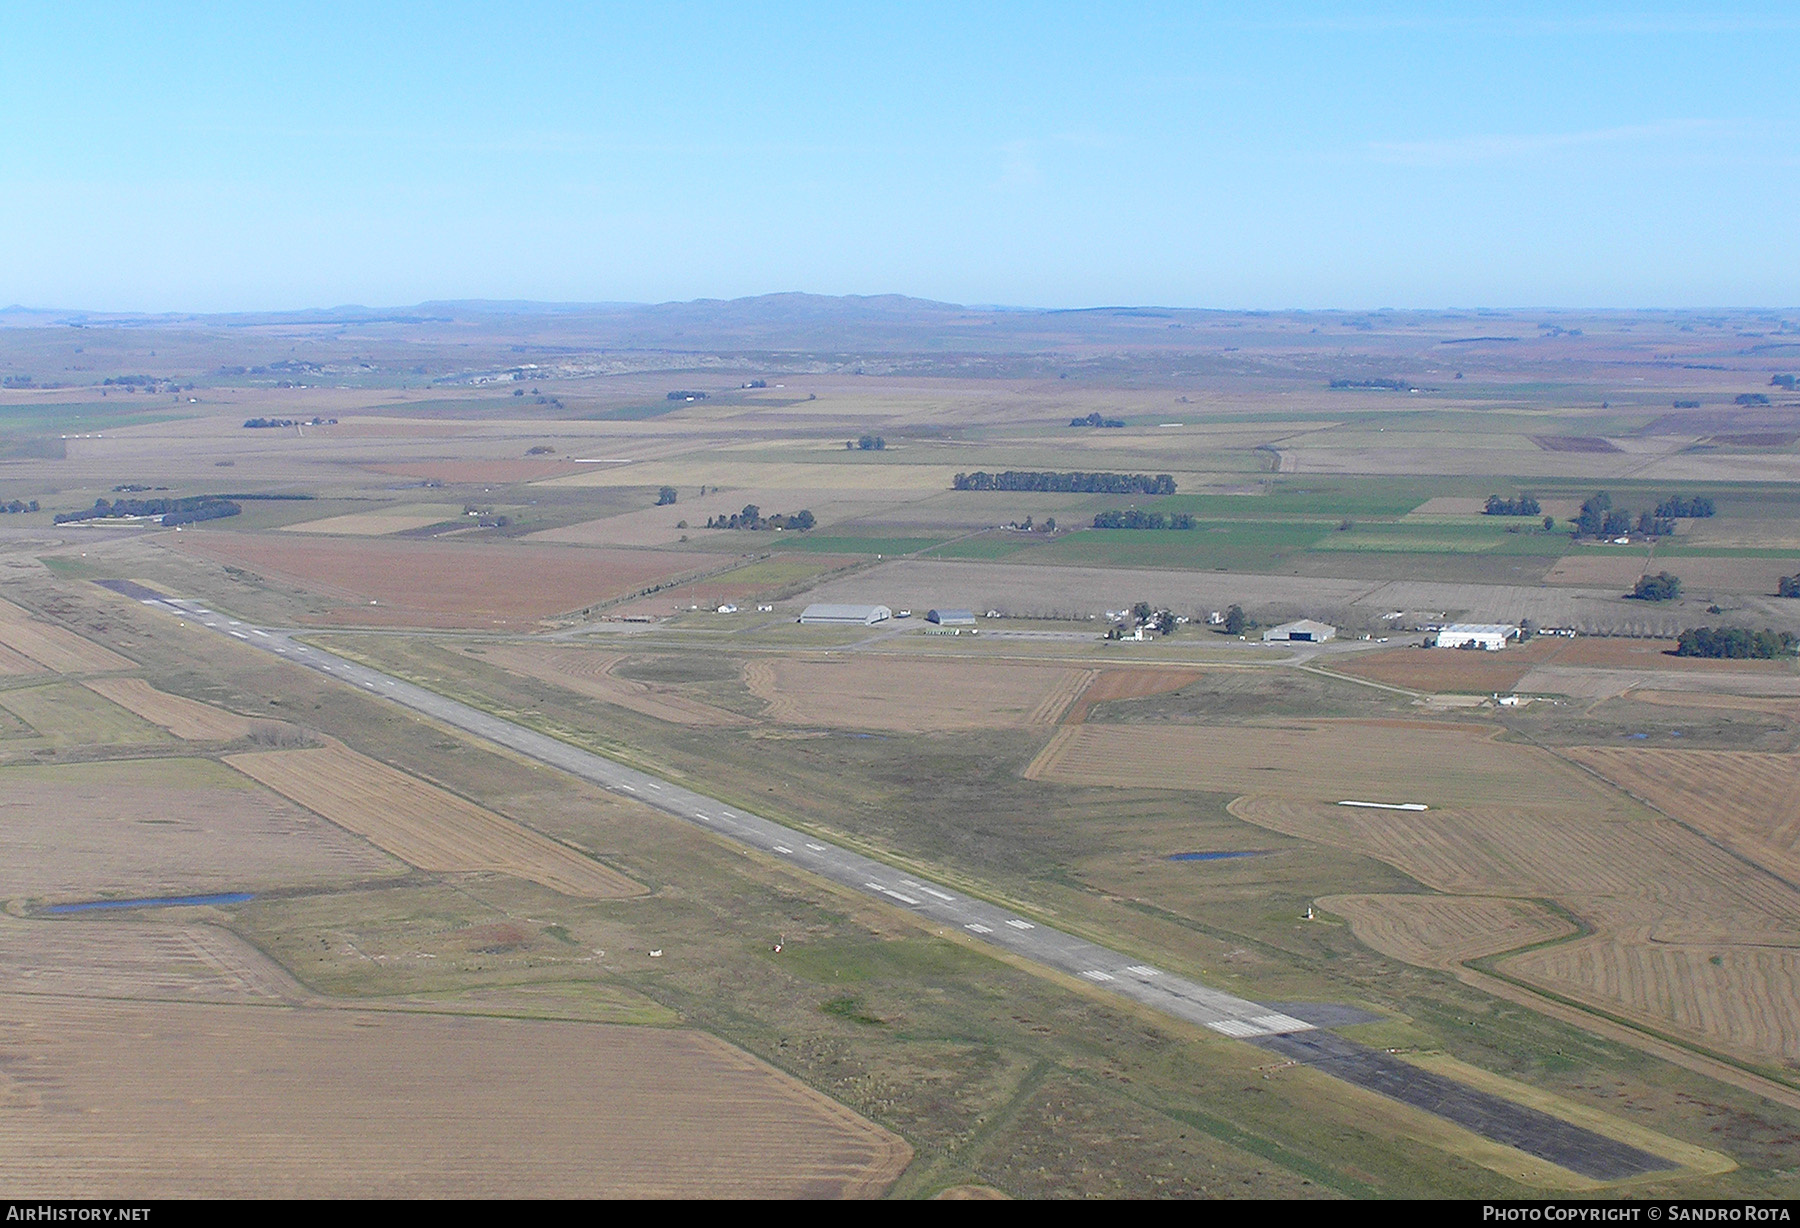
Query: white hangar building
846	615
1303	629
1490	636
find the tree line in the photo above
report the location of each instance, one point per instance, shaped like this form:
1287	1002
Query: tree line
1599	518
172	511
1073	483
1734	642
752	518
1660	587
1524	505
1134	519
1095	420
19	506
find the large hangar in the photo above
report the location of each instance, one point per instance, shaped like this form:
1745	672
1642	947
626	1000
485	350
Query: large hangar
1489	636
846	615
1304	630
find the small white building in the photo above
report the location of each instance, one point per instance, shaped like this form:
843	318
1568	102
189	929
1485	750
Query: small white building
1301	629
846	615
1489	636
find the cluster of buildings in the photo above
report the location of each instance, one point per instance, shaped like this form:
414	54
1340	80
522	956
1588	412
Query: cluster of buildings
834	615
1488	636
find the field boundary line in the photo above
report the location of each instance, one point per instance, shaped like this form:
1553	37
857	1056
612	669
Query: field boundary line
1604	1023
1323	672
1742	858
1046	759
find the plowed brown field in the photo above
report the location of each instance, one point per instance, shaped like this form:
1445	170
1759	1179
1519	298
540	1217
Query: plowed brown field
51	646
185	718
912	694
442	584
1126	684
1330	760
1744	998
116	958
1441	931
1444	669
157	1100
1749	801
163	827
587	672
1662	901
483	472
424	825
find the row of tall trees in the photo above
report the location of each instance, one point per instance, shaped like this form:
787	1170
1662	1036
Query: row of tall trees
172	511
1132	518
1075	483
1734	642
752	518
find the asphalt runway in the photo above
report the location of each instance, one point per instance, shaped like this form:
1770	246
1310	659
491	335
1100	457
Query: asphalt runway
1102	967
1493	1117
1539	1134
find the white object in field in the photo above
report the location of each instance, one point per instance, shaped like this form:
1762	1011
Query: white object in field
656	954
1388	805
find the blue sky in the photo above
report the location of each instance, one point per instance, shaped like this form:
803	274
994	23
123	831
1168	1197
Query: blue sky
239	157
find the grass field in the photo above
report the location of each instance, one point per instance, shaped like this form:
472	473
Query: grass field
424	825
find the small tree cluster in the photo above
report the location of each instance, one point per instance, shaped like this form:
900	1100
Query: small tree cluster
1697	508
1524	505
866	443
1134	519
1788	587
1660	587
1068	483
1734	642
752	518
19	506
1095	420
665	496
1599	518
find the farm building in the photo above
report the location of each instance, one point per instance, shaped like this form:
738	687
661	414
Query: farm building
846	615
951	618
1303	629
1491	636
